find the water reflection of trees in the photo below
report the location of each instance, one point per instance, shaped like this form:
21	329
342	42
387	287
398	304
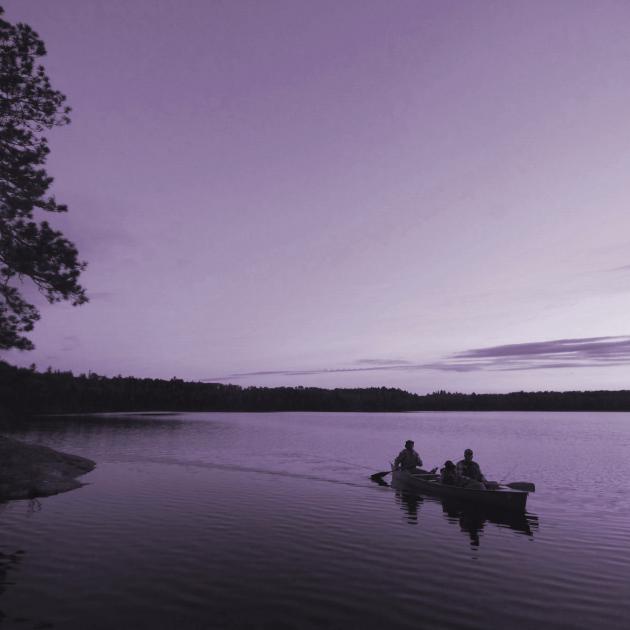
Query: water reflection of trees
54	430
8	565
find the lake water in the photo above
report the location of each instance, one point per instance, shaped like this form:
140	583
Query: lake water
270	521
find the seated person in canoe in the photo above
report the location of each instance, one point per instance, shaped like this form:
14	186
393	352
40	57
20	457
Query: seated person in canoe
468	472
448	474
408	459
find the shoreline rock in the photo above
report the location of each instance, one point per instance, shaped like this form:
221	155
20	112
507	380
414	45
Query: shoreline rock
29	471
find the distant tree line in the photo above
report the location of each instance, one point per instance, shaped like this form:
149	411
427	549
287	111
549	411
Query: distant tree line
27	391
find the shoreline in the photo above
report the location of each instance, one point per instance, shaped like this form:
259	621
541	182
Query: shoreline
30	471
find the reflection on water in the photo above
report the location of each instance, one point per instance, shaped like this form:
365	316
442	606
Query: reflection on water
96	424
470	518
410	502
255	521
9	563
473	518
9	566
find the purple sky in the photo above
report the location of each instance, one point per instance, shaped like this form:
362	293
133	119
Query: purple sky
428	195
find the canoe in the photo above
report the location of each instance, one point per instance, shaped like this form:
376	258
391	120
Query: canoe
501	498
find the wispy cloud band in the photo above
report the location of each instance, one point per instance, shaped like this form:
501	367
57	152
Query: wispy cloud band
553	354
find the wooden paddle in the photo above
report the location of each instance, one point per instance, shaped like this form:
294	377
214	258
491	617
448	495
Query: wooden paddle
522	485
381	475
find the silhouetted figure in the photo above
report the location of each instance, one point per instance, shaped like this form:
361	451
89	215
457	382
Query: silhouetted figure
408	459
448	474
469	473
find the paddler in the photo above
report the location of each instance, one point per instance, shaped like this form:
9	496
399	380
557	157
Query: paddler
408	459
469	473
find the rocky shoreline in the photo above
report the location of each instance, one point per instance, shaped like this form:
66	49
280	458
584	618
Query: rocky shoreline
28	471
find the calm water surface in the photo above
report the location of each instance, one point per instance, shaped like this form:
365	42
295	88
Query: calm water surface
270	521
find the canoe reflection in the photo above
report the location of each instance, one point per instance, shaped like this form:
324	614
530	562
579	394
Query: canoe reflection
410	503
472	519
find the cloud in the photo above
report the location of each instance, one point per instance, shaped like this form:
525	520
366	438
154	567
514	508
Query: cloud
96	241
622	268
598	347
69	343
334	370
553	354
536	355
383	362
101	295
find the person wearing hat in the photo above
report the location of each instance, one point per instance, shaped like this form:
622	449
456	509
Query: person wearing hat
469	472
408	459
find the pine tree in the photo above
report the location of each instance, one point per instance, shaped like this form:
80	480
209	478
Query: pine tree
29	248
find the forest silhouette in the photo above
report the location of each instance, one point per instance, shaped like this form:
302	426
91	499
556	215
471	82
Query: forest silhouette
28	391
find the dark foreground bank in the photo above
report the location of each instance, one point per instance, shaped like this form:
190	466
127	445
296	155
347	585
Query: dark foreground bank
28	471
